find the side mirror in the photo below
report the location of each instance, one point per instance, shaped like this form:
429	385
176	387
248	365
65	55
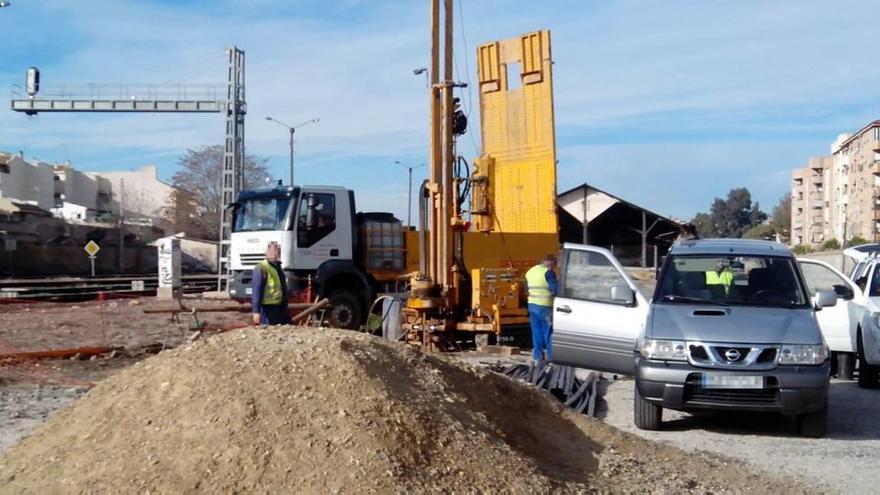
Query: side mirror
825	299
844	291
622	294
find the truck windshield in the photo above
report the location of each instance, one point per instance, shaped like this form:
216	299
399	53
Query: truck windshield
260	214
731	281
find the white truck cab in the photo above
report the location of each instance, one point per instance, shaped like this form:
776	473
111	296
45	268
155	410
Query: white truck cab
316	227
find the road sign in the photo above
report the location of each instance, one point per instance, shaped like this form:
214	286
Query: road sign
92	248
10	245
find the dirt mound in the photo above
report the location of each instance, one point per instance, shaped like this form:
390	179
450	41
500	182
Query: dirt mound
303	410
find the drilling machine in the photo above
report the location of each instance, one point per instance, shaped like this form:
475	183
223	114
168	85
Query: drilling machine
471	263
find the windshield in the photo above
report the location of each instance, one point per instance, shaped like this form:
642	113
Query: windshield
731	281
260	214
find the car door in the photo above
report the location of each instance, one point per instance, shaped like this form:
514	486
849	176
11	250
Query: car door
838	323
598	312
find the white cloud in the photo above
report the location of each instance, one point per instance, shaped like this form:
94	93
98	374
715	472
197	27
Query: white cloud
704	75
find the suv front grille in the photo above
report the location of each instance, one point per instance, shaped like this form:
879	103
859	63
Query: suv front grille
755	357
694	393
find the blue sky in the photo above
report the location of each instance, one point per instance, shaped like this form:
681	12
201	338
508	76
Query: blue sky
667	104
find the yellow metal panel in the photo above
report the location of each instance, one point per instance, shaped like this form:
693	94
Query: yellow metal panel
517	132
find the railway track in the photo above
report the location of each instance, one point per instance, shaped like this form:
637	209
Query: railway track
83	288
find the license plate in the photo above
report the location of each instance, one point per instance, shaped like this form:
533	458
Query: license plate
712	380
249	291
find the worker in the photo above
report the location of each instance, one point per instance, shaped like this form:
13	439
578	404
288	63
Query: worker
541	287
269	299
720	276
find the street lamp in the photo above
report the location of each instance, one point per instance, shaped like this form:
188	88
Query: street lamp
422	70
292	129
409	203
5	4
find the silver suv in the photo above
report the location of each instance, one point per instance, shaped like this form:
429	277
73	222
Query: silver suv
731	326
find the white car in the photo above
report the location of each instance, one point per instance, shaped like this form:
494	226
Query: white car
868	331
839	324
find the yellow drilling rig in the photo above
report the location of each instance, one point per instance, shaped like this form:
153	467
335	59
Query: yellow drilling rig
472	257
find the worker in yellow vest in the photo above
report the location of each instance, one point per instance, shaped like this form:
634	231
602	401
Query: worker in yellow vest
269	298
720	276
541	287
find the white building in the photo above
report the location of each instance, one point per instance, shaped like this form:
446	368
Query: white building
26	182
140	192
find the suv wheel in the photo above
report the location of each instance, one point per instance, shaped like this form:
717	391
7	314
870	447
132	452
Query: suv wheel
814	424
646	415
869	375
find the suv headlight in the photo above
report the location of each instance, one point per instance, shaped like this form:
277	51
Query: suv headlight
802	354
665	350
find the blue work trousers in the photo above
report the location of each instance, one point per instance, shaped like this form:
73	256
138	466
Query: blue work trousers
274	315
541	321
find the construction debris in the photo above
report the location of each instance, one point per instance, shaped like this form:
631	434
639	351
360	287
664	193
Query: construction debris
292	409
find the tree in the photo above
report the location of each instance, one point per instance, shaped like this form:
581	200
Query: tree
194	207
730	217
830	244
781	217
856	240
764	231
703	223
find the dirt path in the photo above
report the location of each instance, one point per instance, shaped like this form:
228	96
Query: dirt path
322	410
842	462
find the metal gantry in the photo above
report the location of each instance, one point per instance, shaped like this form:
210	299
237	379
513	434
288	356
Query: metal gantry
167	99
233	159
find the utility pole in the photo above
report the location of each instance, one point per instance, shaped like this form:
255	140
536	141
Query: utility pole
121	226
409	189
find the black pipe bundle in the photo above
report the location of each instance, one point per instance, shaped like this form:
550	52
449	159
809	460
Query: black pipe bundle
561	382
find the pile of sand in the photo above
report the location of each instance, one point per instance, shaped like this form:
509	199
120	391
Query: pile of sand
303	410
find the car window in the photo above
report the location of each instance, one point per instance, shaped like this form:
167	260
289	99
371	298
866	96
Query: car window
820	277
875	281
731	280
590	276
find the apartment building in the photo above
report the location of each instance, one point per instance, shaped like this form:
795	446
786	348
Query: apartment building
26	182
838	196
858	159
811	199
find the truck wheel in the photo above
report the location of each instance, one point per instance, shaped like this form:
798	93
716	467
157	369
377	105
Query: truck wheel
814	424
646	415
345	311
845	365
869	375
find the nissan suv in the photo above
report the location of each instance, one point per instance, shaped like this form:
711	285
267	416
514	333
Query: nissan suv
731	326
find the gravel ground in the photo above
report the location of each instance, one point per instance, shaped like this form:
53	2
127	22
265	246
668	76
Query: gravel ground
842	462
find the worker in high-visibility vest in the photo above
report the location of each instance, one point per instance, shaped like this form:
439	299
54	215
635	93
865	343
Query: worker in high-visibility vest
720	276
541	287
269	298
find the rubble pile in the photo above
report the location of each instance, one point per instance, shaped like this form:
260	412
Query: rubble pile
292	409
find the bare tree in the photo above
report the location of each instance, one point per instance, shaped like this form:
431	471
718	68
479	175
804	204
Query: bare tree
195	206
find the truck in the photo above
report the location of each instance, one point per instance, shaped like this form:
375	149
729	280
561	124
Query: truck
480	225
328	250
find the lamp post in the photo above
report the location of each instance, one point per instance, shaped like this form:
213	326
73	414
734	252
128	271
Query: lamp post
409	203
292	129
422	70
